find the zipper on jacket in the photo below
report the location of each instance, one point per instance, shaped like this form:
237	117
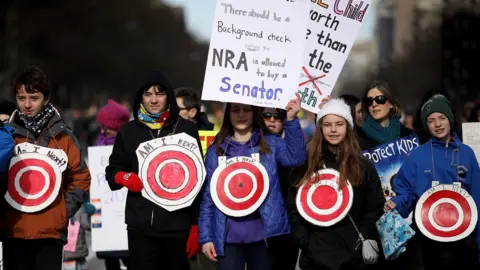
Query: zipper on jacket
151	218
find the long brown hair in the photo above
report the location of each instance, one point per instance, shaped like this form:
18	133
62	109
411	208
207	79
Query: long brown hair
227	129
348	156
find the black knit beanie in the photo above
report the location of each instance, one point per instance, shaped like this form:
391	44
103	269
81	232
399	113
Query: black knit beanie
437	104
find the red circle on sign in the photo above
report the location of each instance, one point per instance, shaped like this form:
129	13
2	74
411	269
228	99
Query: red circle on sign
324	218
180	158
172	175
237	206
32	187
240	185
467	213
26	163
324	197
446	215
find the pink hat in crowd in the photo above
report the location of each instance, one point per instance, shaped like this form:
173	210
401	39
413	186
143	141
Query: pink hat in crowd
113	116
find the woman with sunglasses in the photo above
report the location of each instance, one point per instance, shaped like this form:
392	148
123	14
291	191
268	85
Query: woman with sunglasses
382	117
382	125
234	241
284	250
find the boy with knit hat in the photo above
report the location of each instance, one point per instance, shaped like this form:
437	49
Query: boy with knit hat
443	161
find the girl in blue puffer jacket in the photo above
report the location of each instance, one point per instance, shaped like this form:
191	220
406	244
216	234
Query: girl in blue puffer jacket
233	229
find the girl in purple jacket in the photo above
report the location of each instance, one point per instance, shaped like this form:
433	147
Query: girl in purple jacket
243	239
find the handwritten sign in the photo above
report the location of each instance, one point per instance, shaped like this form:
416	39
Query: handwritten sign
206	138
255	50
57	155
332	29
471	137
109	231
172	170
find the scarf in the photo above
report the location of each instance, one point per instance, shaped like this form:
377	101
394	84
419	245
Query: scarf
153	121
105	140
37	123
379	133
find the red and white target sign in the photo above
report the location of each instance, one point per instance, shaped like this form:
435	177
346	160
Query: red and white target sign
321	202
239	185
35	177
446	213
172	170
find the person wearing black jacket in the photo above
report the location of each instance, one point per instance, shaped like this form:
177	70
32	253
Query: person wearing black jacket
333	146
189	106
157	238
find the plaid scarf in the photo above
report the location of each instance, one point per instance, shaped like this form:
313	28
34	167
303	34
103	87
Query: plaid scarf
153	121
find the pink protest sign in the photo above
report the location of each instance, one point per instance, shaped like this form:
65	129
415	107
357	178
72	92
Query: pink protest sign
73	231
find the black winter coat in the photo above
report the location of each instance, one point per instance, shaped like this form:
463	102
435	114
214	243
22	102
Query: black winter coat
141	214
334	247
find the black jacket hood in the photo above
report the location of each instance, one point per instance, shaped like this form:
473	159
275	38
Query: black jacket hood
155	77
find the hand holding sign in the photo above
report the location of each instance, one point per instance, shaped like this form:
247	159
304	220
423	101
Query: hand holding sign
129	180
293	107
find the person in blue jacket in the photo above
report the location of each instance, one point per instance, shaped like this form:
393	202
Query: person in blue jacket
444	158
234	241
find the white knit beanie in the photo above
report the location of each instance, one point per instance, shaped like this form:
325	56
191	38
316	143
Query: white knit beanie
336	106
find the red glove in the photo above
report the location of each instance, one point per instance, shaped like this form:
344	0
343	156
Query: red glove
129	180
193	247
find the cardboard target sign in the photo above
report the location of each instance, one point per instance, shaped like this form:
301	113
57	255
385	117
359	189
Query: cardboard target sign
35	177
172	170
239	185
446	213
321	202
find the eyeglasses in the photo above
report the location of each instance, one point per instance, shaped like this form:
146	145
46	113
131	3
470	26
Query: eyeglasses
276	116
181	109
378	99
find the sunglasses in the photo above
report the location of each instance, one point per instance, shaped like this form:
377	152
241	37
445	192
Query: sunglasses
378	99
276	116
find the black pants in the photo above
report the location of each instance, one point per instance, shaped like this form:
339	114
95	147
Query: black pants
153	253
32	254
284	252
255	255
425	254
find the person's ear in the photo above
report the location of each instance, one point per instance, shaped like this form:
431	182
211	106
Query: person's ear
193	112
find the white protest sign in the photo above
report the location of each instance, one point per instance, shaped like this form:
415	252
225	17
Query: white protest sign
109	231
471	137
255	52
332	29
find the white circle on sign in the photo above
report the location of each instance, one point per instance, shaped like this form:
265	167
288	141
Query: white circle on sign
185	179
229	178
42	192
449	201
